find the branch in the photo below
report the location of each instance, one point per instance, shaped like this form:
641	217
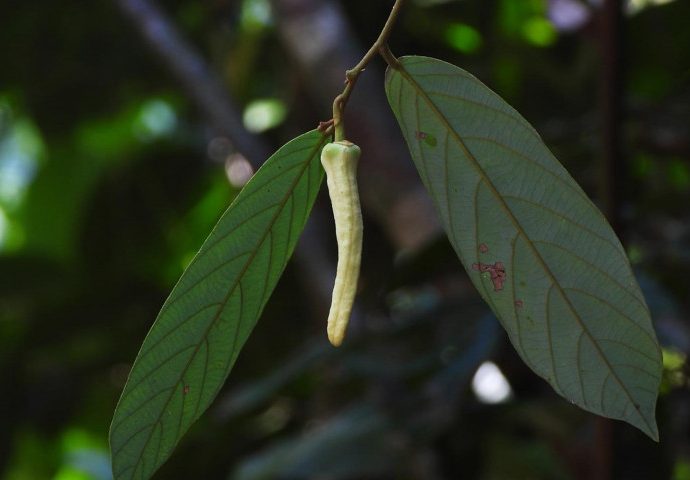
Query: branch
351	76
189	68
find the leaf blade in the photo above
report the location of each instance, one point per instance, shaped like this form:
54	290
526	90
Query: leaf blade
509	207
208	316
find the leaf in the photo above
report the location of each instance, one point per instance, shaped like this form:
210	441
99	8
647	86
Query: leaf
537	249
202	326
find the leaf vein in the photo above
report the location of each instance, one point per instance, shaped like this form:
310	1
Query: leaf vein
568	219
536	164
591	265
615	309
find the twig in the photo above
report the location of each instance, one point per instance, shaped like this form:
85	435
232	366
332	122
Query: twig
351	76
190	69
406	212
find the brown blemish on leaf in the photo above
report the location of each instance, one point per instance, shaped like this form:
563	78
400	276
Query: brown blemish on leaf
497	272
185	390
518	303
426	138
483	248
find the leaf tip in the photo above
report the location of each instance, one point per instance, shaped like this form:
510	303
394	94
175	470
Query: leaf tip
651	431
650	427
646	421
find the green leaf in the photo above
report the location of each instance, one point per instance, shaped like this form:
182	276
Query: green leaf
202	326
537	249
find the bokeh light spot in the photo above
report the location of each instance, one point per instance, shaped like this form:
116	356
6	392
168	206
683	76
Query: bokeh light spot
463	37
539	31
156	119
490	385
264	114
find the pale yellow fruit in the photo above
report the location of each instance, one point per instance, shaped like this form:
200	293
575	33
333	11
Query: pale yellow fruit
339	160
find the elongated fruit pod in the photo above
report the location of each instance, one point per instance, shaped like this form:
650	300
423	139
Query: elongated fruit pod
339	160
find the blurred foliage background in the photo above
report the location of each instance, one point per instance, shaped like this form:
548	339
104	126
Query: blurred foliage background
126	128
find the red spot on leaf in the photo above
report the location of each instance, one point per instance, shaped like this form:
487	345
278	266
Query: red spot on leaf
185	390
420	135
518	303
483	248
497	272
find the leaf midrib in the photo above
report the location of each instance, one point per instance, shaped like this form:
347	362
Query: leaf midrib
475	163
223	303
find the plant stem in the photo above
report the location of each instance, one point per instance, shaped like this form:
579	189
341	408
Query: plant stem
351	76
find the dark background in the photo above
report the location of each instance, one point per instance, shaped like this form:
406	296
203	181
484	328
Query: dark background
123	136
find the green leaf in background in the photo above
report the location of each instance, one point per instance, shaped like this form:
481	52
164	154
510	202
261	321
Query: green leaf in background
537	249
202	326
